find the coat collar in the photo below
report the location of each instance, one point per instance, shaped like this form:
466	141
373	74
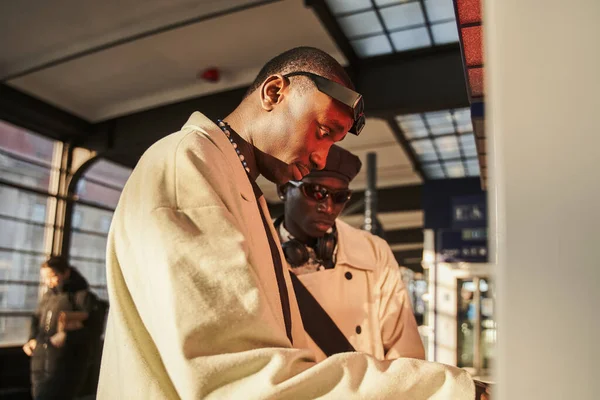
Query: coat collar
351	248
200	122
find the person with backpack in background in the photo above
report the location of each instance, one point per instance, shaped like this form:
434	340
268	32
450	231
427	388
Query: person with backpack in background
63	332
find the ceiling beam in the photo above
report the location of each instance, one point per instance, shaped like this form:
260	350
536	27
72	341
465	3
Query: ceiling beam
414	267
410	259
404	236
408	256
334	29
31	113
390	199
412	82
401	139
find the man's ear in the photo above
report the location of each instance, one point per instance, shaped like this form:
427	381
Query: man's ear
272	91
281	191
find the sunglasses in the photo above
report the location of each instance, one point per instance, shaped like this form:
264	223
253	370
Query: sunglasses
342	94
320	193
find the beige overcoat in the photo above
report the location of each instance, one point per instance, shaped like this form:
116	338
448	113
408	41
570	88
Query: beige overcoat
195	308
366	298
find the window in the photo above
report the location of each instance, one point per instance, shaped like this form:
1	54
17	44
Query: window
27	167
98	192
76	219
443	142
388	26
105	223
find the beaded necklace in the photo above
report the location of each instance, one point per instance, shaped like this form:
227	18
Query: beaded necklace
277	263
227	130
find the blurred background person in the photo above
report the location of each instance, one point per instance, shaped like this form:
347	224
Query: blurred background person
63	332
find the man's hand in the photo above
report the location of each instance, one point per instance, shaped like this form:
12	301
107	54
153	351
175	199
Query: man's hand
58	340
71	320
483	391
29	347
486	395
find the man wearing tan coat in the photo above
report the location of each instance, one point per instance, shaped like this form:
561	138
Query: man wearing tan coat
201	306
360	301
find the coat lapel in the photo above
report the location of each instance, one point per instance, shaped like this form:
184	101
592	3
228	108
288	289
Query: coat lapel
201	123
349	241
259	253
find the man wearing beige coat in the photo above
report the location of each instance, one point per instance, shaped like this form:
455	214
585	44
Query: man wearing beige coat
347	281
201	305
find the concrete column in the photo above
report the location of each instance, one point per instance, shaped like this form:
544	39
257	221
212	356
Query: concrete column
543	112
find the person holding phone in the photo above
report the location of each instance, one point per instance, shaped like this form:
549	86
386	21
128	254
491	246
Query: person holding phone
60	339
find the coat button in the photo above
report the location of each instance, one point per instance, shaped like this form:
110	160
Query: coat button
348	275
45	346
358	329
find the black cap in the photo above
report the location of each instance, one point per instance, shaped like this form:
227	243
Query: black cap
340	164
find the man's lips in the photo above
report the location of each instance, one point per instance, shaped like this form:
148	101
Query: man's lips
296	173
303	170
324	223
300	171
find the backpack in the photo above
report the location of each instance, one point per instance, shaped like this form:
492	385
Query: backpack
98	310
96	321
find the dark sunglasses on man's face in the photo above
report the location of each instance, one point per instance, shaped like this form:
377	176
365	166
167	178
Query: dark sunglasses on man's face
320	193
342	94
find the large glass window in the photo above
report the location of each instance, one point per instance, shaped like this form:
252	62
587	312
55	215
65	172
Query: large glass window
443	142
97	193
27	167
386	26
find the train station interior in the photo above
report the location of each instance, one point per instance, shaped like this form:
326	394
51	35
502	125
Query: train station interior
477	156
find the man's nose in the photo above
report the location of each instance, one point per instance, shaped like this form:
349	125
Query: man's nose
326	206
318	159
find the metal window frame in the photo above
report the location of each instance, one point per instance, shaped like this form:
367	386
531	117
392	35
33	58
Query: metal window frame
377	9
463	158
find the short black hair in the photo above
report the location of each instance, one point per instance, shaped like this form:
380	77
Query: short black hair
57	264
308	59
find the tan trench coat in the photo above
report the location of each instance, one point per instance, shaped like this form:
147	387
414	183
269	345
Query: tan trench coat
366	298
195	309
